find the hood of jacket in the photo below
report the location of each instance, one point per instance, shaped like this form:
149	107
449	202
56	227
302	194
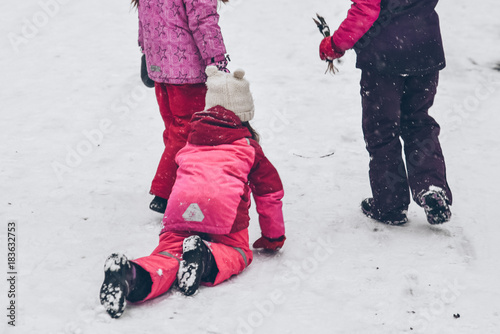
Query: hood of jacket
216	126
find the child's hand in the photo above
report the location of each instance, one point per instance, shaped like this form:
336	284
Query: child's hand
328	50
269	244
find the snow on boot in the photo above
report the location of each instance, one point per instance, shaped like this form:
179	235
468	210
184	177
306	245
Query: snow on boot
390	218
195	264
115	288
158	204
435	204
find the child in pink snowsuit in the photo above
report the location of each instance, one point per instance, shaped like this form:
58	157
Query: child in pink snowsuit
178	39
205	238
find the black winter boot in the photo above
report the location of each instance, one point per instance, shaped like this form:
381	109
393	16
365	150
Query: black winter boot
158	204
197	265
389	218
118	274
436	205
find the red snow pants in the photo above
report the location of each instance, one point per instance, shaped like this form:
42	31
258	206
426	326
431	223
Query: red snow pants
177	105
231	252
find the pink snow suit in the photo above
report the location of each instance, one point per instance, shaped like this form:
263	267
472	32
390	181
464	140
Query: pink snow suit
219	161
179	38
218	169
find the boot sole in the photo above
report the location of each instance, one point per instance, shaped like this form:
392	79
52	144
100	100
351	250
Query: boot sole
190	269
436	209
113	291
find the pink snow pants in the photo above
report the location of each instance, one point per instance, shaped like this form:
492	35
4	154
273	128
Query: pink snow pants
177	105
231	252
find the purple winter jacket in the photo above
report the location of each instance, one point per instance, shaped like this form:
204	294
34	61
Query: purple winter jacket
393	36
179	38
405	39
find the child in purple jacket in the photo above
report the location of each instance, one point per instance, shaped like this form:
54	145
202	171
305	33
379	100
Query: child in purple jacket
399	50
178	39
205	238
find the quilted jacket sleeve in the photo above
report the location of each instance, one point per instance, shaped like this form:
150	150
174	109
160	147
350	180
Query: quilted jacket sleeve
267	191
360	18
203	21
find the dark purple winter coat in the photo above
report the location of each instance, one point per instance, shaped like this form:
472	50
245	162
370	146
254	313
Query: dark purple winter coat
404	39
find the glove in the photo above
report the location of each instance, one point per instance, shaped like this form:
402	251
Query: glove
328	50
220	62
221	66
144	73
269	244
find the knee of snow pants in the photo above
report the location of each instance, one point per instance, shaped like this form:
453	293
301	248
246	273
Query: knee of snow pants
163	263
232	254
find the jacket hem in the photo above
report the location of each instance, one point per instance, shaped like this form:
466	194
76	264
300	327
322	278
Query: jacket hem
422	71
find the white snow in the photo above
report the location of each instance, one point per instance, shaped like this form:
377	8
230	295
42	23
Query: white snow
186	276
115	262
190	244
81	137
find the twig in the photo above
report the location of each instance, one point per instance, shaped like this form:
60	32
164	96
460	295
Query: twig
324	29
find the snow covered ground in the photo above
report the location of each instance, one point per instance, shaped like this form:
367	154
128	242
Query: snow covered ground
81	137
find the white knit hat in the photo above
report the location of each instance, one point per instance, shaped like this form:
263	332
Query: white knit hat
230	91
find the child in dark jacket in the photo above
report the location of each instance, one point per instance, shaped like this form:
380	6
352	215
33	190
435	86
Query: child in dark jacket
399	50
205	238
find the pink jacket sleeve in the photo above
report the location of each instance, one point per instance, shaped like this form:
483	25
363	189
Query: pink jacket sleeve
267	192
359	20
270	211
203	21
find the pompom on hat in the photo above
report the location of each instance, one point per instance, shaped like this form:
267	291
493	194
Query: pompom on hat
229	90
